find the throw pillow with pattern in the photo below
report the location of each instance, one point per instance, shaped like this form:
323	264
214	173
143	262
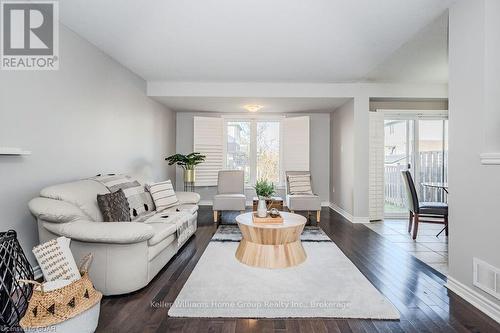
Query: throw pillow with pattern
56	260
163	195
114	206
300	184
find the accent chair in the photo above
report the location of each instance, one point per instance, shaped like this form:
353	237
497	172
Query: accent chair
230	192
419	210
299	194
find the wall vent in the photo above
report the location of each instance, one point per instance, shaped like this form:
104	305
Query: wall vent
486	277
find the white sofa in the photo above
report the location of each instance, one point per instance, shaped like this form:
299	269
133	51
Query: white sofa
127	255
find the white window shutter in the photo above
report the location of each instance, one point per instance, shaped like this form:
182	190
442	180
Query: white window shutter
376	166
208	141
296	144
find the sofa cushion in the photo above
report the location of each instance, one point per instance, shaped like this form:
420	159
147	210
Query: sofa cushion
98	232
155	250
229	202
140	202
190	209
57	211
188	197
161	231
165	224
114	206
82	194
163	195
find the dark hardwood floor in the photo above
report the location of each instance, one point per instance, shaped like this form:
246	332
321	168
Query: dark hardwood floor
414	288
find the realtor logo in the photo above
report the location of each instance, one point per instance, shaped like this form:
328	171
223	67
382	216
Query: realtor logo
29	36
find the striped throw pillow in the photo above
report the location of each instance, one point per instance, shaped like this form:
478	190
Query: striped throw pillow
300	184
163	195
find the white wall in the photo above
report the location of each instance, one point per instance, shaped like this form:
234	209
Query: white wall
342	157
319	152
474	188
92	116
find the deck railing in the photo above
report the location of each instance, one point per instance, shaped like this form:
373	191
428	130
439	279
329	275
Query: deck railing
430	170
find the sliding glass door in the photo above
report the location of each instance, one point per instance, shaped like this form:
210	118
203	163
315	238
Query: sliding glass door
419	145
398	147
432	158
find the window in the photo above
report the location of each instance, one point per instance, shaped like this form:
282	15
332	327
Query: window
238	147
254	145
268	151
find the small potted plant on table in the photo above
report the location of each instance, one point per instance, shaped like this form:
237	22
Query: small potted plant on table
264	190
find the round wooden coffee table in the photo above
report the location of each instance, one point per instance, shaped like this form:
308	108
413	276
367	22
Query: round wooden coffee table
271	245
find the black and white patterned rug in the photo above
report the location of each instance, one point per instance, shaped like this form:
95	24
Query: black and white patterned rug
231	233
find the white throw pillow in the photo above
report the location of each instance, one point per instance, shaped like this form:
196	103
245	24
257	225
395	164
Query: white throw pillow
300	184
56	260
163	195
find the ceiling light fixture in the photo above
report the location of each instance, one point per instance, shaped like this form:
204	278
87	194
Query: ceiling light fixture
252	107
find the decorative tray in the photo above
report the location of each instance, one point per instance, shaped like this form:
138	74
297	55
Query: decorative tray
267	220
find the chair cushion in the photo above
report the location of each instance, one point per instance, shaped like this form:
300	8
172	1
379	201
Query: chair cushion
434	208
303	202
231	182
229	202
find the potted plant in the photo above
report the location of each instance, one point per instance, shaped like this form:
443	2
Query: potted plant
188	163
264	190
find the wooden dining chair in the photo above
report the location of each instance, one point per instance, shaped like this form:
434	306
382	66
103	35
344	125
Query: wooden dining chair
420	212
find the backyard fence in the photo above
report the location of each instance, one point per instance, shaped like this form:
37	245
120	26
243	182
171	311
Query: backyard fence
430	170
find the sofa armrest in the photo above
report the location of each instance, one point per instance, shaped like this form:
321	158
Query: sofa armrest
102	232
188	197
55	211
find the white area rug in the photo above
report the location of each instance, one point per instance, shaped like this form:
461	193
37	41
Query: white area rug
327	284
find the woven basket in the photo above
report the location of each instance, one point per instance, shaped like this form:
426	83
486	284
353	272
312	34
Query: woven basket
48	308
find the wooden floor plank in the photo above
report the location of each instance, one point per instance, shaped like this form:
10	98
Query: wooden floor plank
416	289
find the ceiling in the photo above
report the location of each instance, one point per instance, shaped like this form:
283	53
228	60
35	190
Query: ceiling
424	58
262	40
235	104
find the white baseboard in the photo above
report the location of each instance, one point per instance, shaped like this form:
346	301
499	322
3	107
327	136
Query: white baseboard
479	301
361	219
325	204
37	272
348	216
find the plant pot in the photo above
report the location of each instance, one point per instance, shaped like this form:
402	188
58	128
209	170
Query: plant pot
189	175
262	208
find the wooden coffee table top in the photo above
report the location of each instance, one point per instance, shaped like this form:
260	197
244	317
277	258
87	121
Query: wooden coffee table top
290	220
